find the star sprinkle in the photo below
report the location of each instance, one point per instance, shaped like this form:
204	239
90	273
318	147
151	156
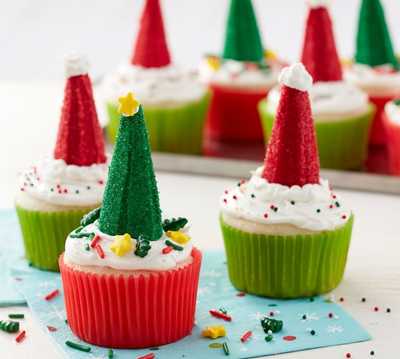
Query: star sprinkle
122	244
128	105
178	237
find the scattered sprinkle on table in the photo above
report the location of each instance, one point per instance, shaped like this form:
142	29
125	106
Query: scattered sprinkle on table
52	295
348	355
52	329
147	356
312	332
20	337
16	316
110	354
215	345
9	326
77	346
241	294
220	315
246	336
289	338
225	348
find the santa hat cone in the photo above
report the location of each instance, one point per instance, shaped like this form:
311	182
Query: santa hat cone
292	155
151	49
319	54
80	139
374	45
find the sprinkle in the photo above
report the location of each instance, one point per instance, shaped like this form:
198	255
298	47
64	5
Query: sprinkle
225	348
51	328
59	191
376	309
348	355
16	316
289	338
95	240
88	187
234	197
215	345
372	353
363	300
110	354
388	310
217	314
87	247
331	206
82	348
22	189
225	201
341	299
241	294
304	317
293	202
265	215
223	310
20	337
337	204
312	299
100	182
330	315
100	251
271	314
246	336
318	210
51	189
312	332
52	295
65	190
226	192
272	206
167	250
58	186
269	338
9	326
253	195
344	216
173	245
275	209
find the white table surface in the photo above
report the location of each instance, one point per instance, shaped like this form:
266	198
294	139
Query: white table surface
29	120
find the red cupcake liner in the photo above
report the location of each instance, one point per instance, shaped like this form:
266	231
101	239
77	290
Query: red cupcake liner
233	114
378	131
393	145
131	311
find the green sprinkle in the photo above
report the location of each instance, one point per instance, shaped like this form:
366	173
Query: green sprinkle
273	325
225	348
253	195
110	354
318	210
337	204
81	234
90	217
87	247
268	338
293	202
223	310
82	348
16	316
215	345
397	102
174	224
9	326
312	332
173	245
272	305
311	299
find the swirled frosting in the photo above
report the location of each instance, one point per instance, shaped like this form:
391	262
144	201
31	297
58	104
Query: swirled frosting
77	252
312	207
393	112
329	100
55	182
376	81
165	86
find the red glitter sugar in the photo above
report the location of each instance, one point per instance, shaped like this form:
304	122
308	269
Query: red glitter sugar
52	295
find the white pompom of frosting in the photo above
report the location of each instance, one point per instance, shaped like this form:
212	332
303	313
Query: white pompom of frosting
76	65
318	3
296	76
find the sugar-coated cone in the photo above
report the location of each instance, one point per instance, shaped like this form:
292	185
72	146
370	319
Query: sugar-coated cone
80	139
319	54
151	49
292	154
242	38
374	45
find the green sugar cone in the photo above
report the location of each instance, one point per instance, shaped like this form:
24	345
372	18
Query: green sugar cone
44	234
342	144
176	129
286	266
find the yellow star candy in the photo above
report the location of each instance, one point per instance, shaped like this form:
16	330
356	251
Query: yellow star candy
214	331
128	105
122	245
270	55
178	237
213	62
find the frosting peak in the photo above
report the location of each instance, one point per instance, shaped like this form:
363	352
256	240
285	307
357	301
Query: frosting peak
318	3
76	65
296	76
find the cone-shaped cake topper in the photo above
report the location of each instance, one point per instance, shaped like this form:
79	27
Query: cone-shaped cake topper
374	45
151	49
242	38
292	155
131	204
319	54
80	139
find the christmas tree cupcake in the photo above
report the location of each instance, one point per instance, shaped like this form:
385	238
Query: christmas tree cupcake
376	68
55	192
238	80
175	101
391	122
286	233
341	111
125	266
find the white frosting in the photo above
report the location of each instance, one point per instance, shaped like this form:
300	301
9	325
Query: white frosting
329	99
237	74
393	112
375	81
296	76
318	3
155	260
76	65
239	203
55	182
154	86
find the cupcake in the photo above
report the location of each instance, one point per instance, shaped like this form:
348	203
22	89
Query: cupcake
130	280
391	121
376	68
56	191
238	80
174	99
341	111
286	233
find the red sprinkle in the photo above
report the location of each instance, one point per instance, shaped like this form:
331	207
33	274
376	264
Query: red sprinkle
271	314
166	250
52	294
59	191
245	337
234	197
330	315
58	186
147	356
95	240
225	201
65	190
331	206
272	206
51	328
20	337
100	251
100	181
220	315
348	355
226	192
344	216
289	338
241	294
22	189
376	309
265	215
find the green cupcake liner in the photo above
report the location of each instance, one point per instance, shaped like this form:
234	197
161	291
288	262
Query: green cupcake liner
342	144
176	129
286	266
44	234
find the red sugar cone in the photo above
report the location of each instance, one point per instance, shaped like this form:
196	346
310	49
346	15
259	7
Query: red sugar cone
151	49
292	155
320	55
80	139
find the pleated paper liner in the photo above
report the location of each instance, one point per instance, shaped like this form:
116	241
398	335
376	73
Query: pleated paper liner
176	129
131	311
342	144
393	144
286	266
233	115
44	234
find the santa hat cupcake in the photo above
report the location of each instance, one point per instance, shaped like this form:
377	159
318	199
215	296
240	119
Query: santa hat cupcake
58	190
